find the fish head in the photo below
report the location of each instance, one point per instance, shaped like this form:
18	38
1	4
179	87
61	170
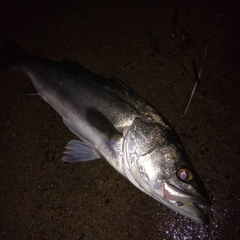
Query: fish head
156	162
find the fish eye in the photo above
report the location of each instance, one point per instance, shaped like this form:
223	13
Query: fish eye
184	175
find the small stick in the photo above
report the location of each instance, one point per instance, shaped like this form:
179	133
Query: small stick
197	79
204	57
193	91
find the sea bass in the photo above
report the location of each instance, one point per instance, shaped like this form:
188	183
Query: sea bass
114	123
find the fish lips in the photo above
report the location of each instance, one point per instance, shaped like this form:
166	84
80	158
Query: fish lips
175	194
185	203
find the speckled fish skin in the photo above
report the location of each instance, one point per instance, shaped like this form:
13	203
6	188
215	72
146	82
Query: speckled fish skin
118	125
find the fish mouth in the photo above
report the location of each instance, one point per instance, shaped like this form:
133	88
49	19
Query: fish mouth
185	203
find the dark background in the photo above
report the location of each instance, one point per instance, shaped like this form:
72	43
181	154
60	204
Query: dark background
43	198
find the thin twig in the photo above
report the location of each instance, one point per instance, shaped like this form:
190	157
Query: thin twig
197	79
190	99
204	57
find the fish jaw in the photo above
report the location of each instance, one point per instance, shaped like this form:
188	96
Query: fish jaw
173	193
184	203
189	210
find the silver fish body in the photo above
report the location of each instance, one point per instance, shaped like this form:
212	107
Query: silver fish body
115	123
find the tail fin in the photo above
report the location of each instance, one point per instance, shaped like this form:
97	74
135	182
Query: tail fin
11	54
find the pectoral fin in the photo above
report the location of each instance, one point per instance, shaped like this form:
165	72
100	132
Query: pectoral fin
78	151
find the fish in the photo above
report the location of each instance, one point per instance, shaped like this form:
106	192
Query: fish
113	122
